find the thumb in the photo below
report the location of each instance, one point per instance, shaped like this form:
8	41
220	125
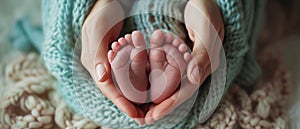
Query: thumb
102	66
198	63
94	50
101	27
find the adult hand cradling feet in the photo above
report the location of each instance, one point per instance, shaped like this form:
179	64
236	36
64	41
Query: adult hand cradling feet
101	27
205	27
100	21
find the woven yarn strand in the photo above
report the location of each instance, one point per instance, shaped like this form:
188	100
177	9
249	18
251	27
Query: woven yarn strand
31	100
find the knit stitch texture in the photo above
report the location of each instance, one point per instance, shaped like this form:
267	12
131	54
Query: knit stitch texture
62	26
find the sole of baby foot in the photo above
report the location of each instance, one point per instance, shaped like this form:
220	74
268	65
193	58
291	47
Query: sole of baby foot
128	59
168	59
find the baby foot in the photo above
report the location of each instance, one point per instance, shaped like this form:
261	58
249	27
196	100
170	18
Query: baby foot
168	59
128	59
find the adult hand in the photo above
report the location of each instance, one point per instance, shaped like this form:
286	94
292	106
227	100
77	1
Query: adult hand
206	29
101	27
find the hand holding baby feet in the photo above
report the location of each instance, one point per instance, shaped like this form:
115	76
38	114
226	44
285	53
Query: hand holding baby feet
101	27
168	60
206	29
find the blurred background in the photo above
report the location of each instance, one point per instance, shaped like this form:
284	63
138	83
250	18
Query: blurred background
10	12
280	31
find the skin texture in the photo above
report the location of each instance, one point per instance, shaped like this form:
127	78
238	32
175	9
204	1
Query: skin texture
167	64
128	59
95	58
200	54
95	42
167	61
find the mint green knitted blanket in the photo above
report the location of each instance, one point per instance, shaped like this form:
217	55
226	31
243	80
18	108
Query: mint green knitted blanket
62	22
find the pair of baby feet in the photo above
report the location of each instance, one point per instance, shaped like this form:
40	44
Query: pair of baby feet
157	73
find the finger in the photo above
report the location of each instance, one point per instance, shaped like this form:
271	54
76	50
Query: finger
149	116
199	62
204	14
101	60
110	91
168	105
98	32
163	109
206	73
185	92
140	119
94	52
201	65
207	43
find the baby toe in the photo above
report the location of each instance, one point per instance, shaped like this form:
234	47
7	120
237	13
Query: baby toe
128	37
110	55
182	48
138	40
157	39
115	46
169	38
187	56
176	42
122	41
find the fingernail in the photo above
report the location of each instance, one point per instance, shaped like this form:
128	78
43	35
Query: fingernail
196	75
100	71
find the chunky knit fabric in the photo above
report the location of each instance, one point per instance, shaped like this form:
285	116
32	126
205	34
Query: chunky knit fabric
62	25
